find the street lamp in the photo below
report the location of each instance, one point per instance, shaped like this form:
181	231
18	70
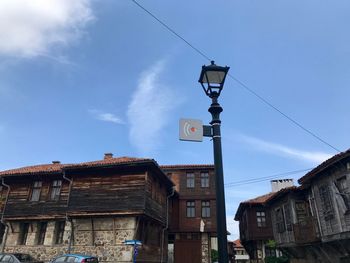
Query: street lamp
212	79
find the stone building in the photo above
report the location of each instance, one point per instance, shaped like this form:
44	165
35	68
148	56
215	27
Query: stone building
89	208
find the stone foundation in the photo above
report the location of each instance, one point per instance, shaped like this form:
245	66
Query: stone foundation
101	237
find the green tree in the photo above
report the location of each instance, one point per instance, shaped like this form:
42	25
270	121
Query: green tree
214	255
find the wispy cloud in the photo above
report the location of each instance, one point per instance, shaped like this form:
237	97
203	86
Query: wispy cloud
35	28
149	109
106	116
282	150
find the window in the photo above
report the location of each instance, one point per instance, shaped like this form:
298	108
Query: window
280	220
23	234
41	232
301	212
204	179
190	209
205	208
270	252
7	258
326	202
190	180
342	186
36	191
288	216
59	232
55	190
261	218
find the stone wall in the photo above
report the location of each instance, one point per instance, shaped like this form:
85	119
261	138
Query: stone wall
102	237
205	248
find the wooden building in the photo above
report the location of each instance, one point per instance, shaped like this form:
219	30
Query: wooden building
310	223
192	226
255	223
294	228
255	227
90	208
240	254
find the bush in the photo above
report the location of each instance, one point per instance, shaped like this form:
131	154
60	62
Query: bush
214	255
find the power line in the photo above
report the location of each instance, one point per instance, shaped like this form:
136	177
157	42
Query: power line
237	80
282	113
264	178
171	30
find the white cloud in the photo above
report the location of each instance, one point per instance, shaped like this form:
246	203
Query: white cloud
106	116
149	109
34	28
314	157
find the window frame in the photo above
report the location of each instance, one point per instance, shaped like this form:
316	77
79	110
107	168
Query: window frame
59	232
42	227
326	201
280	221
23	234
190	180
35	194
205	181
55	190
190	209
260	218
205	211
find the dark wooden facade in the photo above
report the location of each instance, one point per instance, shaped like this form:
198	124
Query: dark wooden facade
180	221
95	192
254	232
191	233
19	206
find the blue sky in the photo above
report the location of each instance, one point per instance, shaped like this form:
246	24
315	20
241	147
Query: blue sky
81	78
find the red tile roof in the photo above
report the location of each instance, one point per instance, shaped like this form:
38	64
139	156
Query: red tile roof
35	169
58	168
261	200
336	158
237	243
109	162
187	166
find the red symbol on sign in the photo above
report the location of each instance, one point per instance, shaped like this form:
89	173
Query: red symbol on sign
193	129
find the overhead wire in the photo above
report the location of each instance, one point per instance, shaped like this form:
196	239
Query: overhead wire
265	101
264	178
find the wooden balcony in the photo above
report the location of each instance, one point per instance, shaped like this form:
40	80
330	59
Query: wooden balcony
305	232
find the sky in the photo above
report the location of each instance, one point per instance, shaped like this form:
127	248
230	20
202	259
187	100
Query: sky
85	77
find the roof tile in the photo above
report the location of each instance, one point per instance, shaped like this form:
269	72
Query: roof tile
324	165
58	168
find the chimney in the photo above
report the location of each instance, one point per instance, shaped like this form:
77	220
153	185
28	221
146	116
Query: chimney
108	156
279	184
56	162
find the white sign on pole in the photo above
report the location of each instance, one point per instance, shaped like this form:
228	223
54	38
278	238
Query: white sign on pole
191	130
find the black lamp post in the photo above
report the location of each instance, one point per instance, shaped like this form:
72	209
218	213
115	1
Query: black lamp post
212	79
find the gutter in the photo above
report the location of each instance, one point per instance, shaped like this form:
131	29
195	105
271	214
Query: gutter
167	223
67	218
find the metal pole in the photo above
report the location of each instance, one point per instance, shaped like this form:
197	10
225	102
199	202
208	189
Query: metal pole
215	110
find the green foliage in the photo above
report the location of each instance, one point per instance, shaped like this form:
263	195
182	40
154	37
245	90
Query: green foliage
271	243
214	255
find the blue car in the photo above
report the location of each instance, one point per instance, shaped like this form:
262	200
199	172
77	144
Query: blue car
76	258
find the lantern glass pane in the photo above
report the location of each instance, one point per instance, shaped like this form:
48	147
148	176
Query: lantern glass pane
214	77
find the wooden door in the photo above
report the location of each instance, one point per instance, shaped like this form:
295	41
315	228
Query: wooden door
187	251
